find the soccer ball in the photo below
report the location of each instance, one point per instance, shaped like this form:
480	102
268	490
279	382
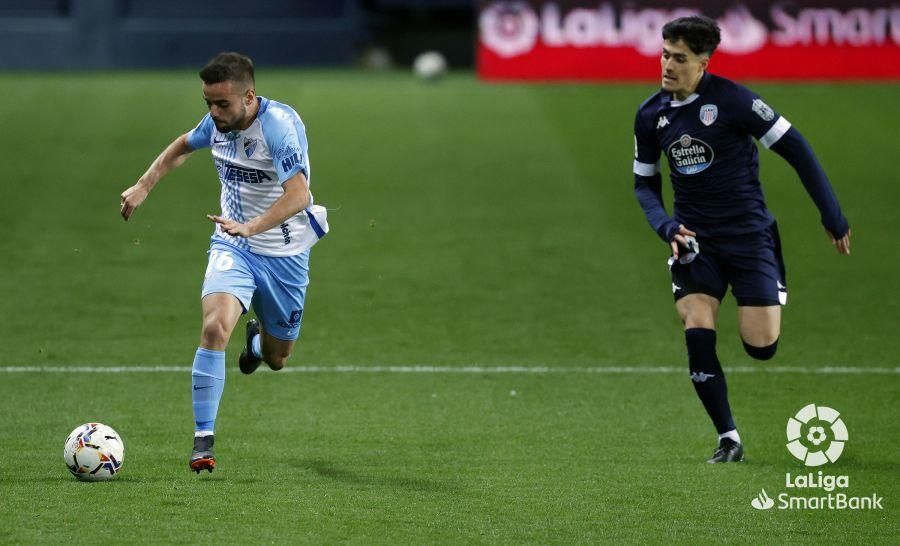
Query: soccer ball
94	452
430	65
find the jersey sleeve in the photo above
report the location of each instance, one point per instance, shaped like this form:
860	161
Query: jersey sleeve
646	148
648	181
286	139
201	135
758	118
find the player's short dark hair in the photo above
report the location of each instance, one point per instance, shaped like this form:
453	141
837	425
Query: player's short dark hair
701	34
228	67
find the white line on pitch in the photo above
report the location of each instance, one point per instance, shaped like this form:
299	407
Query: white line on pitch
810	370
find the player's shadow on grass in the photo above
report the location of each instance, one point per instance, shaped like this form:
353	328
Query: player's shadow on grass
330	471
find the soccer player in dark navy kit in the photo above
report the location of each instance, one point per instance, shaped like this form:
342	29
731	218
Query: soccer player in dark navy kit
721	232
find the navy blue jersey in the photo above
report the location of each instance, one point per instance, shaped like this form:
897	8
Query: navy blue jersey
708	142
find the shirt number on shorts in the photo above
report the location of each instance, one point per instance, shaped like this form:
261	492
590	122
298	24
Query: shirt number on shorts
221	260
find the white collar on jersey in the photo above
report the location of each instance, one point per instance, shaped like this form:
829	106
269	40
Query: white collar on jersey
676	103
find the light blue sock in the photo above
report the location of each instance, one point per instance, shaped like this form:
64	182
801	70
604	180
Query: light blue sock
208	378
255	347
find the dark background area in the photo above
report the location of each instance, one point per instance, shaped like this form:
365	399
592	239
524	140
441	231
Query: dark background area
104	34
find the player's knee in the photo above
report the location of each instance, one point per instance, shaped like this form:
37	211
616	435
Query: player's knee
762	353
277	361
214	334
697	314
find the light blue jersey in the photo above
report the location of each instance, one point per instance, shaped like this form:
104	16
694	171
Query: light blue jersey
252	165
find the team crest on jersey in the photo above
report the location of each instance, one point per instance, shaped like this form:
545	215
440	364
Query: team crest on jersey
708	114
250	146
690	155
762	110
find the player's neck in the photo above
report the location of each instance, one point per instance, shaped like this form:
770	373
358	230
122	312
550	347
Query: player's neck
251	116
683	94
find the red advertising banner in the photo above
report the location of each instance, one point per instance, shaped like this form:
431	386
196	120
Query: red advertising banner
579	40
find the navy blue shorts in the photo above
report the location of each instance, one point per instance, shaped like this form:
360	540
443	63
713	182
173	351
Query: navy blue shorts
752	264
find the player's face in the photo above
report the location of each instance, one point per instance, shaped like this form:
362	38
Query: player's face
229	105
681	68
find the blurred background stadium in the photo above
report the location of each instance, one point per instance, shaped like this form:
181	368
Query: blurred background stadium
485	242
105	34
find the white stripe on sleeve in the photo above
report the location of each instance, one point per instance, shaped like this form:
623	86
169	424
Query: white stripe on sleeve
645	169
776	132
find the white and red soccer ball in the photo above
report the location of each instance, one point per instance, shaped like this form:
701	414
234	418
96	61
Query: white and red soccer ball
94	452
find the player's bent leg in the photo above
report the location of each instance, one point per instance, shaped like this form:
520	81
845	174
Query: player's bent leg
760	327
279	304
276	351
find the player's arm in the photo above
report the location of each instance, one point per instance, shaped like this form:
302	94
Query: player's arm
799	154
775	132
648	188
294	199
173	156
649	194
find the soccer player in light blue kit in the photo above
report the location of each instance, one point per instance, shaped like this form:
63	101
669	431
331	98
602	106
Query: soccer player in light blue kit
259	252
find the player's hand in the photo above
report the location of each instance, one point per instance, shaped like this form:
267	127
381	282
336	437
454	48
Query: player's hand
842	245
132	199
235	229
680	239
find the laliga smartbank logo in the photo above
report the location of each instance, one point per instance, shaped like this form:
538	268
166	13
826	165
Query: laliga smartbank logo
816	435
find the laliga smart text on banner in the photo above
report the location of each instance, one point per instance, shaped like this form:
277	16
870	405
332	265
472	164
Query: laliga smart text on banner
608	40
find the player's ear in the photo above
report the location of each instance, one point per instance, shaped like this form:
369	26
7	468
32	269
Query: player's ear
704	62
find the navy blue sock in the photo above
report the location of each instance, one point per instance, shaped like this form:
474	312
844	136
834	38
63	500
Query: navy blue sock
761	353
708	377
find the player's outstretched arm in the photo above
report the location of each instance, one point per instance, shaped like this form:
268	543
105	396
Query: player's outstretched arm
799	154
173	156
294	199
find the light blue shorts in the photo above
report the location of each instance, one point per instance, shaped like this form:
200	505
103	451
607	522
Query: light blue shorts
275	287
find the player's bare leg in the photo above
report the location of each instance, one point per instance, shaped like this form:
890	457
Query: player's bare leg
276	351
262	347
760	328
698	312
220	315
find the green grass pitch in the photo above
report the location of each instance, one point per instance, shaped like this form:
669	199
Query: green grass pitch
472	225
